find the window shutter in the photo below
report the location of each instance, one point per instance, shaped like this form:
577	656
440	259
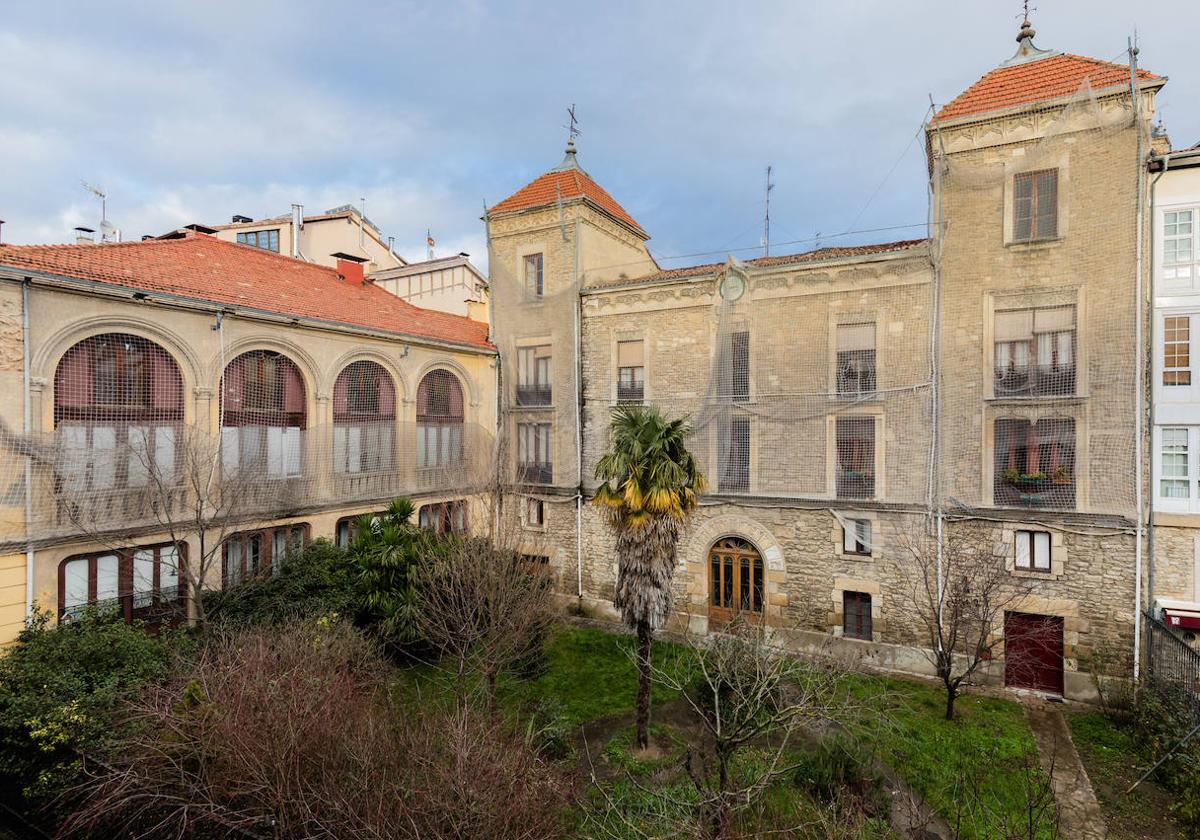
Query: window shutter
1047	204
630	353
138	468
168	567
143	571
848	541
75	583
1023	207
855	337
1016	325
230	453
1054	319
1023	546
1041	553
107	571
104	444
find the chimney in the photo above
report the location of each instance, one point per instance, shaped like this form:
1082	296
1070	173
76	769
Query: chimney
1	228
477	310
85	236
350	267
297	226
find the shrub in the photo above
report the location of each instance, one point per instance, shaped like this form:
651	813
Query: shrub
286	727
1158	732
840	766
320	580
61	692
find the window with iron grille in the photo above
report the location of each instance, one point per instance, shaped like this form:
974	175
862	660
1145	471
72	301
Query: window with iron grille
735	472
534	461
534	371
855	359
1035	463
128	582
1035	205
533	276
267	240
1035	352
856	615
733	367
855	457
631	371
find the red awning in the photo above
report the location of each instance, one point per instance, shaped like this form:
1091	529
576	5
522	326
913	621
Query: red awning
1183	619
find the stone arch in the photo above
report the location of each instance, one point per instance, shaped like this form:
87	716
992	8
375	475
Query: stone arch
699	539
310	371
470	387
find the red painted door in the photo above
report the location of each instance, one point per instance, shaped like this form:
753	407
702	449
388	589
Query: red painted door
1033	651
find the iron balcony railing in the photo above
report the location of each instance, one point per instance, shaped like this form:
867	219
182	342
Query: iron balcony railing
153	606
533	395
633	394
1035	381
535	473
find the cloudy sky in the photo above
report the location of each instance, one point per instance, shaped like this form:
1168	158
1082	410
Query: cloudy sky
190	112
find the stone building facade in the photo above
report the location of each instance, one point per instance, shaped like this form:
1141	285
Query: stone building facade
106	340
846	399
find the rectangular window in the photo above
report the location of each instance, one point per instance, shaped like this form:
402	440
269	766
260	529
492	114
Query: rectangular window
856	615
855	359
1177	350
1175	465
533	276
267	240
534	370
855	457
251	553
735	457
535	512
534	462
1035	205
856	537
1035	463
631	371
1035	352
346	529
1179	249
444	517
128	582
1033	551
733	367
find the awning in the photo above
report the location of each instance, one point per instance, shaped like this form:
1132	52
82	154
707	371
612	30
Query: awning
1183	619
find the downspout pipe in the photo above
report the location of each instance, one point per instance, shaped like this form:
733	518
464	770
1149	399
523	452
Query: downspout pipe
1139	455
1165	160
578	418
27	427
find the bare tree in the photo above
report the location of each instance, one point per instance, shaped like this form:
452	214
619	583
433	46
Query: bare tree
165	480
745	692
958	598
486	608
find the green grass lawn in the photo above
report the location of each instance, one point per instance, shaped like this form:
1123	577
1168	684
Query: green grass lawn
590	674
989	743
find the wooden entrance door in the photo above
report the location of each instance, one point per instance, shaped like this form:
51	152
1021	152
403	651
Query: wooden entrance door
1033	651
735	582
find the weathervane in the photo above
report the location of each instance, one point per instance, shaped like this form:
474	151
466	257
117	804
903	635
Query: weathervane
572	131
1027	10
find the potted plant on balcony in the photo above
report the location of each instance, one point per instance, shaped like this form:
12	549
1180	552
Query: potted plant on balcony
1062	475
1030	486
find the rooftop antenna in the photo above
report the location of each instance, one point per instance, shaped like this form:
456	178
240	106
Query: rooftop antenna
429	243
99	193
766	239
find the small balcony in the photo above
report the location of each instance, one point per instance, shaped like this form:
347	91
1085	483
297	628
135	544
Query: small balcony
631	394
535	473
533	395
1051	490
155	606
855	484
1035	381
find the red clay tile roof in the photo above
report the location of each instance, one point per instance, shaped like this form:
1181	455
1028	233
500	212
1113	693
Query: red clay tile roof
1033	81
768	262
572	183
206	268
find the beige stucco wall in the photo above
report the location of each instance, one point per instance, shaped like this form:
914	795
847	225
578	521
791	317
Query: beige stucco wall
320	239
60	318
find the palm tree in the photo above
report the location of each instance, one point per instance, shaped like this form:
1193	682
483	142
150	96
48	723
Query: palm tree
650	486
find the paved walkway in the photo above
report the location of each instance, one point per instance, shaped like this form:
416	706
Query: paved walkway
1079	812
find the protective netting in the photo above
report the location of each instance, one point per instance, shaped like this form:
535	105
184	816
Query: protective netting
1057	296
126	456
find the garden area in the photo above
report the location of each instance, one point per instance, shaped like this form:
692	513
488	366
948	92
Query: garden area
418	685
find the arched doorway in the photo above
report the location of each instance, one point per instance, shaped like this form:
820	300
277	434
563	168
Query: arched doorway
735	581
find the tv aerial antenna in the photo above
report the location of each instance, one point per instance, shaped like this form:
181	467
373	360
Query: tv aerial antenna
108	232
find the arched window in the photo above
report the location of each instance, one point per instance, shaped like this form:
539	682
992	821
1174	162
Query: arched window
263	414
364	418
735	581
118	406
439	420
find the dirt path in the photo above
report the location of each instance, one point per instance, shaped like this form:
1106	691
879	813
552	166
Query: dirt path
1079	812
